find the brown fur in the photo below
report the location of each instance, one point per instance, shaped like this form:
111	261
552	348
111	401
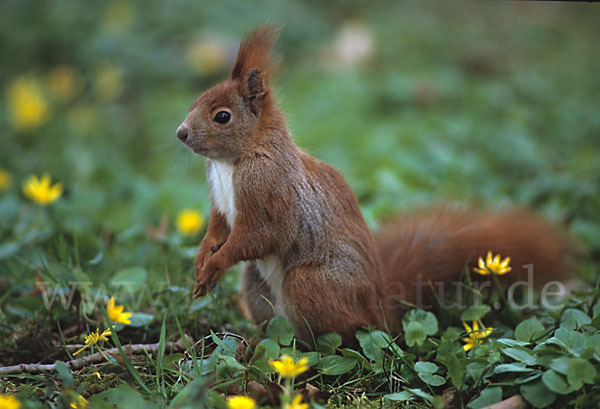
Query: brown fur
255	52
434	246
310	254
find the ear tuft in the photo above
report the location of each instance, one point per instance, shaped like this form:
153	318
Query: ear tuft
254	53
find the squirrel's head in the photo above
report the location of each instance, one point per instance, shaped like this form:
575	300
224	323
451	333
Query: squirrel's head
227	119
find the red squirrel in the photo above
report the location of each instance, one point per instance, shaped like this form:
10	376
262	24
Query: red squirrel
295	221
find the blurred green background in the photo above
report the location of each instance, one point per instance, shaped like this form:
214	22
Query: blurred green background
415	102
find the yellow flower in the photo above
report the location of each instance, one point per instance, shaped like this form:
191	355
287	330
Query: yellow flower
97	374
241	402
79	403
93	337
190	221
64	82
493	265
28	105
116	314
296	403
41	190
9	402
288	368
4	179
475	335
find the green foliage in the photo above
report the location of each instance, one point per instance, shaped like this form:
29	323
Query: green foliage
417	325
431	114
529	330
475	312
488	397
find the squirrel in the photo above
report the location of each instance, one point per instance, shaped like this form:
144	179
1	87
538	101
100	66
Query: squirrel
294	220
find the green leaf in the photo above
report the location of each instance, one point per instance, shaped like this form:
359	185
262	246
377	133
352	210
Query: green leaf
160	354
312	356
532	376
514	367
521	355
596	322
572	341
560	365
425	318
125	397
433	380
487	397
426	371
172	359
596	309
370	348
139	319
327	343
529	330
426	367
414	334
511	342
475	370
280	330
270	347
229	362
337	365
217	401
192	396
64	373
538	394
421	394
455	366
580	371
400	396
374	342
556	382
227	344
354	354
572	319
475	312
133	279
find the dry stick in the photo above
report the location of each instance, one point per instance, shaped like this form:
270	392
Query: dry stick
516	402
79	363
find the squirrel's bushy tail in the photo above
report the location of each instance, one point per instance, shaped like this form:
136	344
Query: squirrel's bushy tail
435	246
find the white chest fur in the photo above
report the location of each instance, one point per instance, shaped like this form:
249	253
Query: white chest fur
220	177
271	270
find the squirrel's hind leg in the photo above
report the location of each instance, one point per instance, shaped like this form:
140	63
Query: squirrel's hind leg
255	293
314	297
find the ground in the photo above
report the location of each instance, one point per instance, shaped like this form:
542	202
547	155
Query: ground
415	103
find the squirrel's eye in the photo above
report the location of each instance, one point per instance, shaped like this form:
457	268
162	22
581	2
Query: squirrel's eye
222	117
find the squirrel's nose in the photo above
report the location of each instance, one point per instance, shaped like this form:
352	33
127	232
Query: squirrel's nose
182	132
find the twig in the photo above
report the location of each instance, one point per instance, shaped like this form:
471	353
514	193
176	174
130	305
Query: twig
79	363
516	402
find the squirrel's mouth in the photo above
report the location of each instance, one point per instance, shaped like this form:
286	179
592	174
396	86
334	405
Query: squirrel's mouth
200	150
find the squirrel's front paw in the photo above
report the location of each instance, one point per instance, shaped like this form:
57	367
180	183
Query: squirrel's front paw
200	260
206	278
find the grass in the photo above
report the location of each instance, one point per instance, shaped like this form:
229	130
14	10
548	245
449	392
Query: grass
489	103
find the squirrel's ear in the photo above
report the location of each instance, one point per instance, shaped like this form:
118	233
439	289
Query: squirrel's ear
253	90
